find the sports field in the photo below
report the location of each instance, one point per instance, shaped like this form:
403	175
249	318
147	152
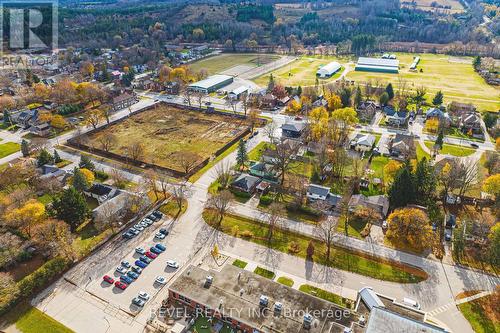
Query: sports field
454	76
225	61
301	72
170	135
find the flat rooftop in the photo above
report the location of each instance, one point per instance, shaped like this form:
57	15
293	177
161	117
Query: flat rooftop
211	81
377	62
239	293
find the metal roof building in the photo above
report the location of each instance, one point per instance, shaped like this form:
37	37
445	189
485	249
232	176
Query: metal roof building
384	321
377	65
328	69
211	83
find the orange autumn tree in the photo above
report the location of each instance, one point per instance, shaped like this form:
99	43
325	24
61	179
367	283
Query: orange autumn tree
409	226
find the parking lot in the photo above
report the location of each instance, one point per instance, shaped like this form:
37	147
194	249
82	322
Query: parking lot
146	279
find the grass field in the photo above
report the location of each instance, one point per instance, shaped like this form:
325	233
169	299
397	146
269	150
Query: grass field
285	281
171	135
35	321
9	148
323	294
456	6
454	76
222	62
340	258
301	72
482	313
452	149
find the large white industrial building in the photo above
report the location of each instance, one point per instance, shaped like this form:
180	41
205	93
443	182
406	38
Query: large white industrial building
328	70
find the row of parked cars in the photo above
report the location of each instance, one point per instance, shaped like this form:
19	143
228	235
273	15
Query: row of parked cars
146	222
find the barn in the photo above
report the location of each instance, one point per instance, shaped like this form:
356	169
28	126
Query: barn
328	70
211	83
377	65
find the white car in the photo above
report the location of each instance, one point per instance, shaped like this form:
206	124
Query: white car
144	295
159	235
143	224
160	280
140	250
138	227
172	264
121	270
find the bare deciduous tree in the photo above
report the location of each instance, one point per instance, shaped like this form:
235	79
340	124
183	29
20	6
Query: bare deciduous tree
326	231
274	218
107	141
284	156
136	150
232	104
220	203
199	97
187	161
187	94
224	174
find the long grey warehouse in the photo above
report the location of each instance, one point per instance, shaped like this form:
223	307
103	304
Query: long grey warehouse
377	65
211	83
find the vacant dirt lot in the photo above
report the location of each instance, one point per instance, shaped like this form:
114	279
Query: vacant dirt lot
171	136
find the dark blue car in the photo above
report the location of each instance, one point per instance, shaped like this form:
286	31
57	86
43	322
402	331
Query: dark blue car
126	279
132	275
155	250
160	247
141	264
145	259
128	235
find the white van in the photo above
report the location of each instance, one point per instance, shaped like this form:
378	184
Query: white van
411	302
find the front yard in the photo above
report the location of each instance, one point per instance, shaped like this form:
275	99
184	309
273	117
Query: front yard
9	148
482	313
453	150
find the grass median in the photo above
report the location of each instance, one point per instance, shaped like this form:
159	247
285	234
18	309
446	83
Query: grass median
341	258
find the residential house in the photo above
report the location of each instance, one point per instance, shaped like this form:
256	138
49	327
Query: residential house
42	129
363	142
25	118
470	122
366	110
101	192
172	87
456	108
443	117
322	193
379	203
51	171
293	129
263	170
402	146
124	101
245	183
395	118
268	101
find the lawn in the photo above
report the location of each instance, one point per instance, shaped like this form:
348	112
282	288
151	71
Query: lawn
203	325
377	165
301	72
88	237
454	76
217	64
35	321
341	258
172	209
482	313
421	152
240	263
354	227
323	294
453	150
285	281
264	272
256	153
9	148
174	137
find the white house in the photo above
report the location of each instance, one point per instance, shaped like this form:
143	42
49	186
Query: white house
363	142
328	70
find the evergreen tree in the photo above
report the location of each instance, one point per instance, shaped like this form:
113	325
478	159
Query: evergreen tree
390	91
384	98
44	157
25	148
476	63
438	98
242	156
57	158
271	83
86	163
425	182
402	190
6	117
358	97
439	139
79	181
71	207
299	91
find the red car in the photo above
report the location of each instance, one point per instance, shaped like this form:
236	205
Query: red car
151	255
121	285
108	279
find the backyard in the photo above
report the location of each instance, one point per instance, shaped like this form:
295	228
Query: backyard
171	137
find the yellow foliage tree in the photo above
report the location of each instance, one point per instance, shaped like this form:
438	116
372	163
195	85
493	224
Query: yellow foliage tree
215	251
409	226
26	216
432	125
492	185
294	107
390	170
89	175
42	92
497	143
334	101
58	122
179	73
319	123
45	117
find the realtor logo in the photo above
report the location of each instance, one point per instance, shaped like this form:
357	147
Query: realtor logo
28	25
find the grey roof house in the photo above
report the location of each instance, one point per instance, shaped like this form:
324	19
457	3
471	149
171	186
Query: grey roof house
245	183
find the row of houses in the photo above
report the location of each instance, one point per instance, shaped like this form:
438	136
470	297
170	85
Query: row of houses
459	115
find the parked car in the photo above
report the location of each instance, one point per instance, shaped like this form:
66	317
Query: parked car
475	145
133	231
151	255
148	221
139	302
158	214
411	302
384	224
160	247
136	269
121	270
126	279
128	235
155	250
164	231
143	224
125	264
159	235
108	279
132	275
145	259
121	285
160	280
144	295
140	250
447	234
138	227
153	217
172	264
141	264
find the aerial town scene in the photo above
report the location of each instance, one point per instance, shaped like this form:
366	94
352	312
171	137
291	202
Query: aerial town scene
260	166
